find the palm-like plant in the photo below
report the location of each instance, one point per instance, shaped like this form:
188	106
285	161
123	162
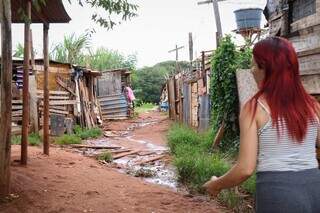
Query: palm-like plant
71	49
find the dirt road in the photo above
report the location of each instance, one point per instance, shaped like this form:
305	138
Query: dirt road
70	182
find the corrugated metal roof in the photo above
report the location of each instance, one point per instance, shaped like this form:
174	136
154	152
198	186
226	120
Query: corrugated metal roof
52	12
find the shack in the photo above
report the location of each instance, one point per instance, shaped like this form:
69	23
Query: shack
111	94
188	94
299	21
72	96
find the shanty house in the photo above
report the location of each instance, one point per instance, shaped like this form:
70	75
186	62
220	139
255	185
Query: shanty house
111	94
299	21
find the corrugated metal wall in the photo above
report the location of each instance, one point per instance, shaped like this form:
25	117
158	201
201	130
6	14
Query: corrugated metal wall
114	107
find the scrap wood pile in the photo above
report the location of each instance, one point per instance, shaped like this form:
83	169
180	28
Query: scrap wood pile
71	97
137	156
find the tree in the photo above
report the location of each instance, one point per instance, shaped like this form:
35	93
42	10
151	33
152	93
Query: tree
71	49
148	81
115	10
19	51
104	59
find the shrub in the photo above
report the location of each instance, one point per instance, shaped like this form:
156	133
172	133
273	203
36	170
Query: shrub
34	139
229	198
16	140
87	133
68	139
105	156
250	185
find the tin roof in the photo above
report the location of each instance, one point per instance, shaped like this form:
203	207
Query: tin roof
52	12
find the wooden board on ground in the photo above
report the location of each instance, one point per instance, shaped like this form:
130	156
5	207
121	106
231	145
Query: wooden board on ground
125	154
150	160
94	147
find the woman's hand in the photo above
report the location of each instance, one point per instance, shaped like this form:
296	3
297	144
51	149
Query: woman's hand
212	187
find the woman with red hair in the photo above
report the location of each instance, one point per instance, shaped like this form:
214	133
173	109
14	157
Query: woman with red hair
279	131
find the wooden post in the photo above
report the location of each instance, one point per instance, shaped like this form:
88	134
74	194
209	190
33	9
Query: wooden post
190	50
32	52
45	89
218	21
6	97
25	90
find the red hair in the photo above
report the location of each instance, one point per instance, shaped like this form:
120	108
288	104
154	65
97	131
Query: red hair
282	87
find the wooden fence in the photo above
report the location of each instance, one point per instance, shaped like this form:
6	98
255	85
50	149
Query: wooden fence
189	100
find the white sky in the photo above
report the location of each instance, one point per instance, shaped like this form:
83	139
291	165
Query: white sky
161	25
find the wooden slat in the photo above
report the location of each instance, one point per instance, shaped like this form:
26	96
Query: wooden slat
57	111
17	113
55	97
62	108
54	92
15	107
66	102
16	101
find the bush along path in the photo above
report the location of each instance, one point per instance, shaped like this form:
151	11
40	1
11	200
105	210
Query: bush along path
196	164
68	182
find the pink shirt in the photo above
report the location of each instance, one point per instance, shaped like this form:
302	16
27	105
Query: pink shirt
130	94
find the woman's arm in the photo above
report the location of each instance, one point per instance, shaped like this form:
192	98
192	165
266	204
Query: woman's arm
246	163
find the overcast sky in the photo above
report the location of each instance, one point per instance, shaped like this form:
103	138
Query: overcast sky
161	25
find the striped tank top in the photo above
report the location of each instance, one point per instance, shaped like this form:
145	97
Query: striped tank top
281	153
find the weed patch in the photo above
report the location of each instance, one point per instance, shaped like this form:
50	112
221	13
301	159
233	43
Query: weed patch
68	139
33	139
196	163
87	133
105	156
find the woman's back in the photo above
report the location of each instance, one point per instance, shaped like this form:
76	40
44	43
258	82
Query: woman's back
278	151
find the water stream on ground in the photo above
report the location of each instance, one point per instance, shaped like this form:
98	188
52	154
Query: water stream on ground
158	172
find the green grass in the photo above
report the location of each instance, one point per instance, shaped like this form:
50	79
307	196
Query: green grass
68	139
16	139
196	163
87	133
192	157
33	139
229	198
144	107
105	156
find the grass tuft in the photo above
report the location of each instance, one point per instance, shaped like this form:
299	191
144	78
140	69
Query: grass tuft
87	133
68	139
105	156
33	139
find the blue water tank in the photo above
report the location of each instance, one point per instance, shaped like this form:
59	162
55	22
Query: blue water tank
248	18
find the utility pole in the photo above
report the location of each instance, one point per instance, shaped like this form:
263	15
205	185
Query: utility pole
177	52
177	56
190	48
217	17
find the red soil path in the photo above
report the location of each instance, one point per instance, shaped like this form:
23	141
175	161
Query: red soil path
69	182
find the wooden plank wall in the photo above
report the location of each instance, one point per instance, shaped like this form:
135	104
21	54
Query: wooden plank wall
109	83
194	104
186	103
172	98
307	45
63	72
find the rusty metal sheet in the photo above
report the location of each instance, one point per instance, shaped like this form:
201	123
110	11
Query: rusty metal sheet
204	113
114	106
186	103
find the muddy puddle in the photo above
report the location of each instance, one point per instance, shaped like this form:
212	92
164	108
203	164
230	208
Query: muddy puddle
151	163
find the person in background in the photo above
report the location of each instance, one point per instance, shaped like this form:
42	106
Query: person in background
130	95
279	130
